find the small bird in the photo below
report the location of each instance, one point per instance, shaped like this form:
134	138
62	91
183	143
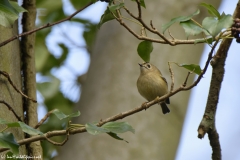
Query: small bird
151	84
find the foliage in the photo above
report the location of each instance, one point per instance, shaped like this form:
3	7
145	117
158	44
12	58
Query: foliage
144	49
111	128
211	27
9	12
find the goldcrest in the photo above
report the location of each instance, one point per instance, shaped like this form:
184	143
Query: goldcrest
151	84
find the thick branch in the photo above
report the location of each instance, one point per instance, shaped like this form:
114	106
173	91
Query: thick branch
29	72
207	124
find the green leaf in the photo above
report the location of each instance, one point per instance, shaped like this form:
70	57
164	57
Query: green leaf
192	67
179	19
142	3
18	8
115	7
211	10
94	130
214	26
144	49
115	136
107	16
7	140
225	21
29	130
111	128
191	28
114	127
61	115
9	12
25	128
118	127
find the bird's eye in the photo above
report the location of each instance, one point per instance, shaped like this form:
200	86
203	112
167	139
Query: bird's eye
148	65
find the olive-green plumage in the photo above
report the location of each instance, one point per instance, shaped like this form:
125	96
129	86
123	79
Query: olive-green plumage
152	84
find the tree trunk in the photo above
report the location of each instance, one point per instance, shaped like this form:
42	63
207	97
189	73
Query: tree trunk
110	88
10	59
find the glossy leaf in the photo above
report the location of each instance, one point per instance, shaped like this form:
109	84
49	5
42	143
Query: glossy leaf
7	140
25	128
144	50
29	130
61	115
211	10
94	130
215	26
190	28
115	7
110	127
18	8
118	127
178	19
115	136
9	12
192	67
107	16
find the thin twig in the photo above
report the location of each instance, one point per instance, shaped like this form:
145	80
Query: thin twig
185	82
5	74
139	9
173	42
44	26
151	24
117	116
43	119
11	109
170	34
205	68
152	29
172	76
56	143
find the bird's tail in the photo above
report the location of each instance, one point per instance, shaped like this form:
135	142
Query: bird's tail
165	108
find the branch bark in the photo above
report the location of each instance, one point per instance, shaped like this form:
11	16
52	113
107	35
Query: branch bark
29	72
207	125
116	117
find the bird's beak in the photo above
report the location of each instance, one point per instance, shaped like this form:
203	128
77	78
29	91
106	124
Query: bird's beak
140	64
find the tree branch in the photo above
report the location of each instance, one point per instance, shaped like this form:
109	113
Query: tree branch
11	109
120	115
45	26
5	74
207	125
163	40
